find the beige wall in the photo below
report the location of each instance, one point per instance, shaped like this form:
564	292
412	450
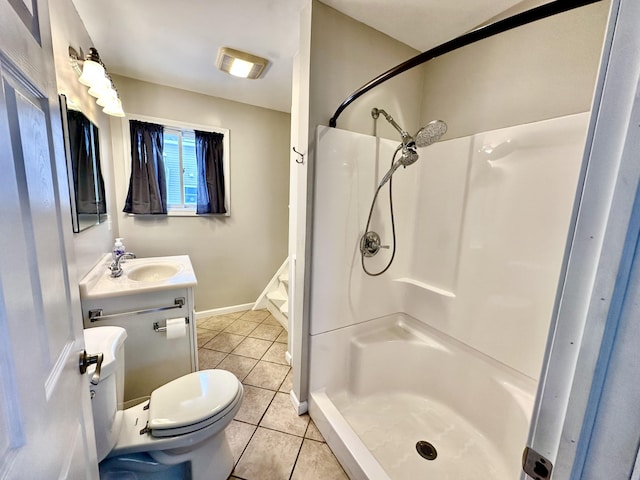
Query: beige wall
536	72
234	257
346	54
68	30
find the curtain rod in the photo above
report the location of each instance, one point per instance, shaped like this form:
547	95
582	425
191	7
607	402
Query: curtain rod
538	13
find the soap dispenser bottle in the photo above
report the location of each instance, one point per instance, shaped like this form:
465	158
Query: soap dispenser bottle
118	249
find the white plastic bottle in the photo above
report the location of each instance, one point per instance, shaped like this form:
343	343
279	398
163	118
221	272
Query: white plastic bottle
118	249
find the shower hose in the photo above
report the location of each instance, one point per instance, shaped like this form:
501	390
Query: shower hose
393	225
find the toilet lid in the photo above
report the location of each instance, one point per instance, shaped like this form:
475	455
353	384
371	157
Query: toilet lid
192	399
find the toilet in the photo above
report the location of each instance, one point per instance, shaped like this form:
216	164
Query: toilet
178	433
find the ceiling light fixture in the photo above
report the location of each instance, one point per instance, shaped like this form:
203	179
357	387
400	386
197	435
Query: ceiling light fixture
240	64
94	75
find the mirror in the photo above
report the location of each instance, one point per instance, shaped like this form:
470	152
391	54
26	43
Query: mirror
86	185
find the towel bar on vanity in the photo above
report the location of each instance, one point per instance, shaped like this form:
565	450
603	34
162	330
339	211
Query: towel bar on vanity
96	315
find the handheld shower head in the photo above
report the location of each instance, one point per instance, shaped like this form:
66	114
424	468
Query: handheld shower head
409	154
409	157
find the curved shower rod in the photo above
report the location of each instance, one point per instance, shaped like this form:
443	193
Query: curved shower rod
538	13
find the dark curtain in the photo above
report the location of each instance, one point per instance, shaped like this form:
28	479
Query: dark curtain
209	153
147	185
85	163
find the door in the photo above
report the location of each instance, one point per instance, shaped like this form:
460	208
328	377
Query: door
46	429
586	421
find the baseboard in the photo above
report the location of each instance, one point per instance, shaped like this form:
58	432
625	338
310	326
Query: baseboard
223	310
287	357
301	408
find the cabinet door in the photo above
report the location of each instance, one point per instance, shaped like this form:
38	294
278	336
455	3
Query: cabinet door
151	359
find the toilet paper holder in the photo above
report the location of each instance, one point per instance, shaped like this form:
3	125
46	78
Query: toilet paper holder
159	329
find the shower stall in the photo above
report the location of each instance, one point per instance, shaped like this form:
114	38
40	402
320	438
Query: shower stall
420	337
430	370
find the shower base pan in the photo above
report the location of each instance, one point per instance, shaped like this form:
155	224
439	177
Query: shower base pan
415	403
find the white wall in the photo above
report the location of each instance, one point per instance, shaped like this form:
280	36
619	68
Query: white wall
234	257
68	30
481	226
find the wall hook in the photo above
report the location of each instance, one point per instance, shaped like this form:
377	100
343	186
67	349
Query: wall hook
301	159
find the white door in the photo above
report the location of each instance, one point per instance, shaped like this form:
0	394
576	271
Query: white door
586	420
45	413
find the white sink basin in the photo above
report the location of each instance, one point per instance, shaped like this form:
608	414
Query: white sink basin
152	272
139	275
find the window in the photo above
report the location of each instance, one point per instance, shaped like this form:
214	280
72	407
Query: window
181	174
181	168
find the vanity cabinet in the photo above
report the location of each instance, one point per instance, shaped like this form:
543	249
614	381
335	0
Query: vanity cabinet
151	357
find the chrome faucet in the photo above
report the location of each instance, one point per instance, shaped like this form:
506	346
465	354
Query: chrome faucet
116	269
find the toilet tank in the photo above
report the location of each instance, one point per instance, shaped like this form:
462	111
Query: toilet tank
107	396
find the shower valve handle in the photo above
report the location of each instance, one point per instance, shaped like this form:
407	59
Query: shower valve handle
370	244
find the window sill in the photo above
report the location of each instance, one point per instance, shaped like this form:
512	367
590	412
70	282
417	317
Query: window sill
191	213
182	213
178	213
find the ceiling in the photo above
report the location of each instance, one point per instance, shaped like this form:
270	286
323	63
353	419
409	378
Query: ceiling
176	43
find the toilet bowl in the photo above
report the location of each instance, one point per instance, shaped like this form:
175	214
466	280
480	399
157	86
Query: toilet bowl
178	433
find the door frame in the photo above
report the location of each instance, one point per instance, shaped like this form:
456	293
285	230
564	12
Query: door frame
597	275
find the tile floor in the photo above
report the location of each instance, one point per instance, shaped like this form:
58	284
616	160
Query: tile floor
269	441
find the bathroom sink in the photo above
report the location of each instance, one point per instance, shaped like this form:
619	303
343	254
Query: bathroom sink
152	272
139	275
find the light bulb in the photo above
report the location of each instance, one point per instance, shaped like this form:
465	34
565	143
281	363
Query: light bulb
240	68
114	108
92	73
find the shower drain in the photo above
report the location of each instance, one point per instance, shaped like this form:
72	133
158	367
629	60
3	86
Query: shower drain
426	450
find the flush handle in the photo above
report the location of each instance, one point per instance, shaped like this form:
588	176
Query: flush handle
86	360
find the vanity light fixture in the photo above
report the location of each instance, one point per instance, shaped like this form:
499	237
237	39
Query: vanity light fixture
240	64
94	75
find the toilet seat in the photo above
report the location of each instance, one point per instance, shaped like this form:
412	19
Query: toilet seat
192	402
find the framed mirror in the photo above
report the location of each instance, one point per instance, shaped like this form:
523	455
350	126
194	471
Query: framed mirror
86	184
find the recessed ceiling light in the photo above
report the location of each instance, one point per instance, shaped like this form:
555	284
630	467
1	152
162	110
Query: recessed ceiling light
240	64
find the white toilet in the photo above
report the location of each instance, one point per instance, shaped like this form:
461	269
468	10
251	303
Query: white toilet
179	433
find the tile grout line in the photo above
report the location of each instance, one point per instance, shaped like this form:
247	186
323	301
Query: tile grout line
293	467
244	449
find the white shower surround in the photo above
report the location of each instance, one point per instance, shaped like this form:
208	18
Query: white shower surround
481	226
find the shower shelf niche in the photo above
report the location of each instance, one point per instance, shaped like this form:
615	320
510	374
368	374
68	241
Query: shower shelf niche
425	286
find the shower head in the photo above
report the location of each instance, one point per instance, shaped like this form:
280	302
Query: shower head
430	133
409	155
